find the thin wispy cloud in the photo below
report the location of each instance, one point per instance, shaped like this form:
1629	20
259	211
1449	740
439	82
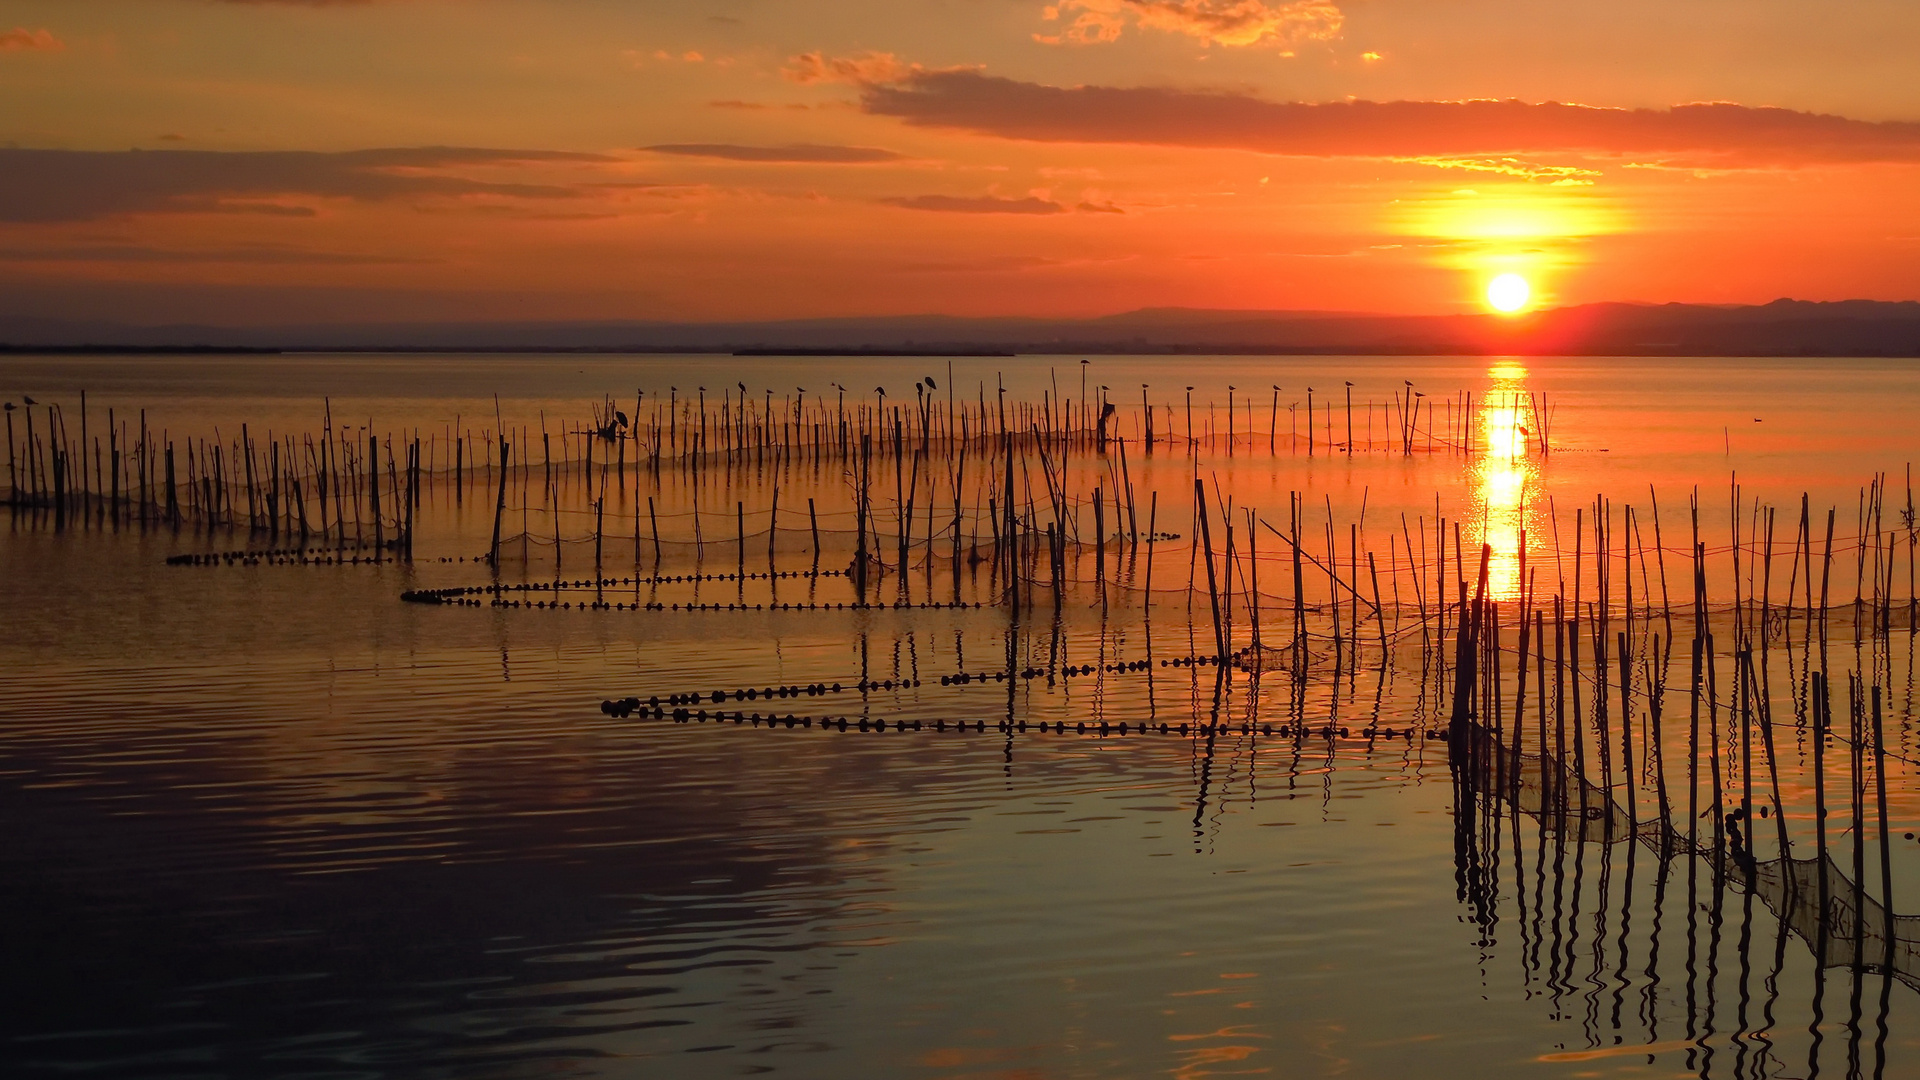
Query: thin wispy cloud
1562	175
865	69
1222	22
983	204
795	153
21	39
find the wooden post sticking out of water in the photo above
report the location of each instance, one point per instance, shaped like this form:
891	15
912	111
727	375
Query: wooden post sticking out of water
373	491
1013	553
1213	585
813	523
173	491
599	529
500	508
413	492
1100	543
653	525
1349	389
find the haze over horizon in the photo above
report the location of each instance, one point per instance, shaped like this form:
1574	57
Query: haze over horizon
309	162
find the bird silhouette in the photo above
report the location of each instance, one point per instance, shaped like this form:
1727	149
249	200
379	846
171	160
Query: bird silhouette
930	385
620	416
28	400
881	390
743	387
1349	382
9	406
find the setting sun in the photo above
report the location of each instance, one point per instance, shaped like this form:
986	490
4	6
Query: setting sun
1508	292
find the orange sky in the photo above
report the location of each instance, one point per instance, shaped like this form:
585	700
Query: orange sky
248	162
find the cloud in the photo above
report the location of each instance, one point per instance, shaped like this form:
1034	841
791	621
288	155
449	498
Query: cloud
991	264
795	153
871	67
1564	175
1715	133
982	204
79	185
260	255
985	204
1223	22
21	39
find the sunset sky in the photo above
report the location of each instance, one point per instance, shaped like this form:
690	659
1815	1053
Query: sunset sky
249	161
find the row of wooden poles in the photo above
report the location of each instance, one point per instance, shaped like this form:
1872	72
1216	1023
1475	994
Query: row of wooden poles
1826	900
338	484
64	466
1608	547
1575	763
307	485
759	427
921	442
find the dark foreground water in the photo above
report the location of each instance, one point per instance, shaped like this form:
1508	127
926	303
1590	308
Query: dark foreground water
268	821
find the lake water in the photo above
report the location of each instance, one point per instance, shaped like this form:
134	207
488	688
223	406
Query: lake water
268	820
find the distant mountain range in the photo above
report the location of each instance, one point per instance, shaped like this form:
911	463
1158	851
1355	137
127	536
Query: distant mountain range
1781	328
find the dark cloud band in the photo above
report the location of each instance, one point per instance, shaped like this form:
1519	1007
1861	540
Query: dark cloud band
78	185
1704	134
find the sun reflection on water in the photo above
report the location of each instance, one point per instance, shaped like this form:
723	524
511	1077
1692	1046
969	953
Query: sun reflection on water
1506	477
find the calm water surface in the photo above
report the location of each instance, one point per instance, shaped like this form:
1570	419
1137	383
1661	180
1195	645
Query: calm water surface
269	821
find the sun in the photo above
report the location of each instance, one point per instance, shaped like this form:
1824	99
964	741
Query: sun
1508	292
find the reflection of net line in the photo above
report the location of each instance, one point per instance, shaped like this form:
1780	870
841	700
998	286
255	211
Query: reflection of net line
1568	805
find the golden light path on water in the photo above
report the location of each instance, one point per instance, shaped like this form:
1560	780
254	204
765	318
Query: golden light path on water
1506	477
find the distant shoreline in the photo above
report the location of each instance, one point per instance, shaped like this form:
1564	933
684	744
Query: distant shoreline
1783	328
135	350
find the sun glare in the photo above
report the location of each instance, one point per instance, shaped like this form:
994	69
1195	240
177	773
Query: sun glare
1508	292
